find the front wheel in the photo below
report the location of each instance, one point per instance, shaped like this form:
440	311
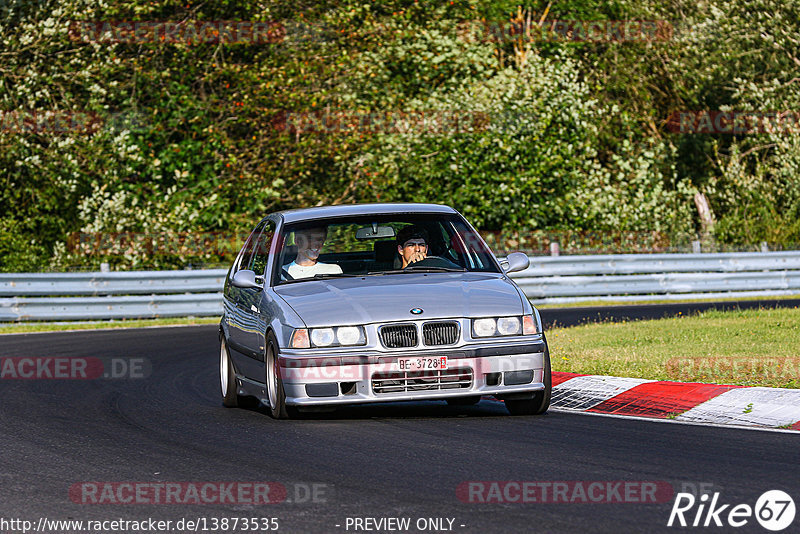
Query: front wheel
227	377
540	402
275	392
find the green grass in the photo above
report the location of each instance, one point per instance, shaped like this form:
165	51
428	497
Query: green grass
18	328
749	347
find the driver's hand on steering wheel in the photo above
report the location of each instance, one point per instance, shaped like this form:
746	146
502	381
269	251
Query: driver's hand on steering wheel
419	255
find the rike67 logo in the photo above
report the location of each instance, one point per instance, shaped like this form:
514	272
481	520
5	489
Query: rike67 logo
774	510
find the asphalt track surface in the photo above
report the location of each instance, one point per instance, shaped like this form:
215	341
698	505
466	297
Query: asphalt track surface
389	460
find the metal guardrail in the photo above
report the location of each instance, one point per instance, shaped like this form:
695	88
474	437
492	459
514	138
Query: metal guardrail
111	307
660	276
110	283
150	294
611	264
110	295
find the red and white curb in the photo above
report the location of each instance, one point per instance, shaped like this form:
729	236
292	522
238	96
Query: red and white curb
680	401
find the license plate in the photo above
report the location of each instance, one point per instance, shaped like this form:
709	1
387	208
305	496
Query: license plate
423	363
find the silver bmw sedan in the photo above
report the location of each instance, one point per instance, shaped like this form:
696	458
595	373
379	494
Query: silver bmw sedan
373	303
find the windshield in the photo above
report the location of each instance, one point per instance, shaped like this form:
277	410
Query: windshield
380	245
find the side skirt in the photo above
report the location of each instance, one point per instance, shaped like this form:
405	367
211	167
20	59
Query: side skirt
252	388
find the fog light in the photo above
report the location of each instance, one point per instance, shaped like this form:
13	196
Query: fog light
323	390
513	378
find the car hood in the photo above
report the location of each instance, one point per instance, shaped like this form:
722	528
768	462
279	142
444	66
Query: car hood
386	298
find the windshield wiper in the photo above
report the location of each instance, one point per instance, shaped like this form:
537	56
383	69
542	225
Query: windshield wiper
419	269
320	277
335	275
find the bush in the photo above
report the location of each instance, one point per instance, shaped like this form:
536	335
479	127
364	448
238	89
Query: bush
192	138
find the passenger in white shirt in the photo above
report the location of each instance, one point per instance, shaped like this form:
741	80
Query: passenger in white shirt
309	243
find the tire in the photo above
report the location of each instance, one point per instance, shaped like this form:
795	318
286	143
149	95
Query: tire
539	404
275	392
227	376
464	401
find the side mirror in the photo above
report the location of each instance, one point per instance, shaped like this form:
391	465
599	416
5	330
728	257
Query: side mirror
516	261
245	279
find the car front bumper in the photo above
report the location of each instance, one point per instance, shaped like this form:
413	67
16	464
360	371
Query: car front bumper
375	377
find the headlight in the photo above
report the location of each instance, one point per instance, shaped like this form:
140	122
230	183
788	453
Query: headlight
508	326
505	326
484	327
341	336
348	335
322	337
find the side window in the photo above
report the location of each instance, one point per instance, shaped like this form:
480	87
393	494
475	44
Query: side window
246	256
258	263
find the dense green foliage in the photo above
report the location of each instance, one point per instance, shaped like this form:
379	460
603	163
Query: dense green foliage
203	138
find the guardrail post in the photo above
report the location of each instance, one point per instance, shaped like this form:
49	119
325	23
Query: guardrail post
696	248
555	249
764	246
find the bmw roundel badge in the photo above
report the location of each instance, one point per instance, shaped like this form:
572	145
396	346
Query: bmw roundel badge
416	311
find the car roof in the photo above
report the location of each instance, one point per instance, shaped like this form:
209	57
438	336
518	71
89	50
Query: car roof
345	210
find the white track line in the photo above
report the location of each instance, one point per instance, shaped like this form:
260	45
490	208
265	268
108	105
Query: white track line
754	405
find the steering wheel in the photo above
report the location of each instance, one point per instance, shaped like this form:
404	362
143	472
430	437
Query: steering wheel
434	261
